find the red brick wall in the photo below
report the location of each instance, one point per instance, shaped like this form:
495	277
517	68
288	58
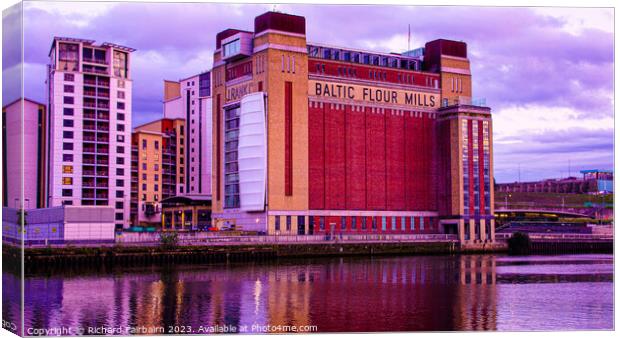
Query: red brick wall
364	160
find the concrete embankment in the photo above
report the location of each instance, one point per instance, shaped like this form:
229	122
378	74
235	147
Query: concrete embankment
59	256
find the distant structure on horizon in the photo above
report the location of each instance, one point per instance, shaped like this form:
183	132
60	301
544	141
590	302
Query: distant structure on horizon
593	181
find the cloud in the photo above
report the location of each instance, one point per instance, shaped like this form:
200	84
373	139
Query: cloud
544	71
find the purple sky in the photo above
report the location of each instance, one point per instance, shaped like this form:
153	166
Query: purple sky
547	73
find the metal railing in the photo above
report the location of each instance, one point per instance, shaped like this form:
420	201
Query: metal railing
214	238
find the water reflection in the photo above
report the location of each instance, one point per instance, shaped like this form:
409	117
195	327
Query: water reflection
344	294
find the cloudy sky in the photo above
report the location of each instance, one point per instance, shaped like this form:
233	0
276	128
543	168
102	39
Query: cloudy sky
547	73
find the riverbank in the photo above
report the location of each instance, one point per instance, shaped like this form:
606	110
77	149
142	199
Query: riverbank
236	250
136	254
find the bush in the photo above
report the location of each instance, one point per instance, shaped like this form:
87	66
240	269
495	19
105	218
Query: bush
169	240
519	244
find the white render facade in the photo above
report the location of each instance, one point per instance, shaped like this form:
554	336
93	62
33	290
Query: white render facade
90	107
194	105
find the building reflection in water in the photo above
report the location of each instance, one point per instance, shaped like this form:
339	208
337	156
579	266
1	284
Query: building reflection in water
342	294
476	299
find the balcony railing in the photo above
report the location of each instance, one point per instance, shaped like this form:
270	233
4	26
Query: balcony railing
103	83
94	60
89	160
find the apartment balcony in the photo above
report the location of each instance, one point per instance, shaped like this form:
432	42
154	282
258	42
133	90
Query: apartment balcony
103	126
103	138
89	104
95	60
102	173
102	161
103	105
90	82
88	184
88	195
104	84
101	93
103	115
102	195
89	138
102	149
94	70
89	126
134	158
89	115
88	160
88	150
90	93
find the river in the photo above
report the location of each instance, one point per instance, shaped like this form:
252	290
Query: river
352	294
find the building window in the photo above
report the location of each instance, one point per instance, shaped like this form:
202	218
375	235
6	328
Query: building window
156	167
120	127
120	94
68	99
288	223
120	183
68	88
120	105
68	111
353	222
393	223
67	134
67	146
120	116
67	192
120	138
67	123
69	77
144	166
67	180
343	223
121	84
143	186
120	160
383	223
119	205
119	194
144	176
120	149
156	177
67	157
144	195
67	169
363	222
322	222
374	223
277	223
119	216
156	145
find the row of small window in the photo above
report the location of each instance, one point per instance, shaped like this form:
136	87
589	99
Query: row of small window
363	58
155	197
69	181
155	187
71	112
70	124
362	224
119	194
71	100
69	77
71	89
155	144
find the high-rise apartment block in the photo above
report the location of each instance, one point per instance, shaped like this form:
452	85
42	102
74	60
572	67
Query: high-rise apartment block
157	168
190	99
24	128
90	90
